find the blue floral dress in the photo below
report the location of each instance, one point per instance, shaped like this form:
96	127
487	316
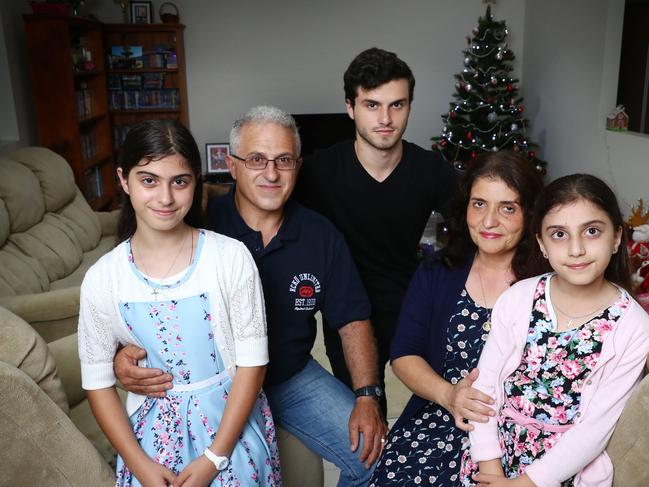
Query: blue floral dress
176	429
427	449
547	384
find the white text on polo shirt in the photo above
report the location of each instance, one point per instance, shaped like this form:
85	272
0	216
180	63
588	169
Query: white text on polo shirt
307	286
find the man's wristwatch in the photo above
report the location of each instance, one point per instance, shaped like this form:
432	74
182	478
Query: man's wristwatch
221	463
374	391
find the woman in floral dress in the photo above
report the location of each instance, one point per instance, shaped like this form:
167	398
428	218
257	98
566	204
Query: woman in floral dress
445	320
193	299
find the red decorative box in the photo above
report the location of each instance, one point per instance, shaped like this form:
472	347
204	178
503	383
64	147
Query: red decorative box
57	9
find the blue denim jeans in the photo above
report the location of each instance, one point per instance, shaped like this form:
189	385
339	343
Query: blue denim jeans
315	407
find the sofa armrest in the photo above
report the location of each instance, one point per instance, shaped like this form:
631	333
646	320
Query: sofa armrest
629	445
108	221
39	444
47	306
23	348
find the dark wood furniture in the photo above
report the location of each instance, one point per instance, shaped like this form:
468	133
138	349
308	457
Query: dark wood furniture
66	56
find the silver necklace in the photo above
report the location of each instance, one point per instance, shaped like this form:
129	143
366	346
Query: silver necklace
154	289
572	319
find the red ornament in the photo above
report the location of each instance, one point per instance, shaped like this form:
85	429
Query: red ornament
452	114
473	155
469	135
442	142
519	109
516	148
510	88
532	154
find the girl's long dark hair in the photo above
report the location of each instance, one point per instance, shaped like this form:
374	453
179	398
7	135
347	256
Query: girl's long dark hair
152	140
570	189
517	173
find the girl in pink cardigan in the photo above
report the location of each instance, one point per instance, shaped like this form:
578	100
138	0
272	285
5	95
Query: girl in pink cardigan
565	351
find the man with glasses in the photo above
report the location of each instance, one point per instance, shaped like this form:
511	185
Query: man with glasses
305	267
378	190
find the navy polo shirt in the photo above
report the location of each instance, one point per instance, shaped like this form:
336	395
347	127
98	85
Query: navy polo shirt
304	269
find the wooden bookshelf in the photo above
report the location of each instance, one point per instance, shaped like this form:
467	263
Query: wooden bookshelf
159	44
66	56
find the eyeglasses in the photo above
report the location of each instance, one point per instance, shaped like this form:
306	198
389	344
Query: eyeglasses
256	161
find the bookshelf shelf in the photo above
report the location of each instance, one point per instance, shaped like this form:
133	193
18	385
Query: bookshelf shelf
145	75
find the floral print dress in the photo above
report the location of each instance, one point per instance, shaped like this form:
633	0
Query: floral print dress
175	430
427	449
544	392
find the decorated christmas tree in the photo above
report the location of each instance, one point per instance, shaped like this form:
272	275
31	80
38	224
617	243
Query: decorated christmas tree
487	111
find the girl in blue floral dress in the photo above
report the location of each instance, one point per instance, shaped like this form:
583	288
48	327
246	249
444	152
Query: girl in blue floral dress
193	300
565	352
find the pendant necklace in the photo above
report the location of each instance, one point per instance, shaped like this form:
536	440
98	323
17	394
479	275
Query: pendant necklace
486	326
572	319
154	289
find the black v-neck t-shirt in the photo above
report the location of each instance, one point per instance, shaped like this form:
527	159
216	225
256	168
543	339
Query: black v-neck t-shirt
381	221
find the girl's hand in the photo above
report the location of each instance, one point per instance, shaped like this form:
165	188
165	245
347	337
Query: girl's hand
465	402
199	473
155	475
490	480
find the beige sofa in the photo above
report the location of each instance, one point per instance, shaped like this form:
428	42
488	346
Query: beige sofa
49	237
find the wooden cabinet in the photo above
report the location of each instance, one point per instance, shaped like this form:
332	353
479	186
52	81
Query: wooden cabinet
66	56
145	75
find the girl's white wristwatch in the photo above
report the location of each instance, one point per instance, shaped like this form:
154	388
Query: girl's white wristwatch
221	463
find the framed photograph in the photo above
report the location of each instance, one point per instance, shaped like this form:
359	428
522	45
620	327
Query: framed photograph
141	13
215	158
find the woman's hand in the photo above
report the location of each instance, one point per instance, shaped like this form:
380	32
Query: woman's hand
490	480
199	473
465	402
152	474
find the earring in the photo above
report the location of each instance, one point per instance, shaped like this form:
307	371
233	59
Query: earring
615	250
545	256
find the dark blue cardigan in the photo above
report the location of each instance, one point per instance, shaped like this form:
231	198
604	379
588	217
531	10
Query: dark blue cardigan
427	307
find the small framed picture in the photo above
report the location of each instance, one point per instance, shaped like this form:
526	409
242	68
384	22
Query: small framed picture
215	158
141	13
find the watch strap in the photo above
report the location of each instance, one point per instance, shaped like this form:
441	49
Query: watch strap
374	391
220	462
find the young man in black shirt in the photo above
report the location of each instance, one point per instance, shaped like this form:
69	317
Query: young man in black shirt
379	190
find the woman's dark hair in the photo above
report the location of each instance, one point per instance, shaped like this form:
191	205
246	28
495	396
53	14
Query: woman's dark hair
519	175
375	67
570	189
152	140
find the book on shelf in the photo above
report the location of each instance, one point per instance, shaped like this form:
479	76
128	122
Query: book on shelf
144	99
88	145
119	134
125	57
94	187
84	101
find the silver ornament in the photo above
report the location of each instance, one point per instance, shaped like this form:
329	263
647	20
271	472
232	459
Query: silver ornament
467	61
494	148
468	87
499	56
492	117
514	127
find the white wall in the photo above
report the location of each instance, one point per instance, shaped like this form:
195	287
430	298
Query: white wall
19	115
571	64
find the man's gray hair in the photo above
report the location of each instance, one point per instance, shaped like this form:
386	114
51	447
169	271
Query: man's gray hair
260	115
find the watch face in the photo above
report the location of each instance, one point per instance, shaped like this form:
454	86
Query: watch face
222	463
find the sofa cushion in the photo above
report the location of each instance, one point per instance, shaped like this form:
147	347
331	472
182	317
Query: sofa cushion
54	174
83	221
53	244
22	195
20	273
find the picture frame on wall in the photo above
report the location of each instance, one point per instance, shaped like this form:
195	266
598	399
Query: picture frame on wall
215	158
141	12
